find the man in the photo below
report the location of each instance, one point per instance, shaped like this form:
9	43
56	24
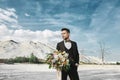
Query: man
71	48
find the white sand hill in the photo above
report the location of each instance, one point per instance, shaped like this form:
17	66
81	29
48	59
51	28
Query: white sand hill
11	49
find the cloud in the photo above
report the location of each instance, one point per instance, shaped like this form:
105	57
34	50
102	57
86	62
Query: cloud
70	16
45	36
8	17
26	14
5	33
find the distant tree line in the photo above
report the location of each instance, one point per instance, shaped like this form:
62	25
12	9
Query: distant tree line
31	59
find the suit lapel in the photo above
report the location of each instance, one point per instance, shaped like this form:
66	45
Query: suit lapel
63	46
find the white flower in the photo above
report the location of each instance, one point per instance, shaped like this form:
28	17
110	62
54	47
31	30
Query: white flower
64	52
63	59
60	56
67	61
56	56
66	55
53	61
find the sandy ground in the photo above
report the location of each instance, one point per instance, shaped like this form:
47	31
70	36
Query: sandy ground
41	72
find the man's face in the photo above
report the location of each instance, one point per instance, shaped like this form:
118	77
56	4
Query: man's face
65	34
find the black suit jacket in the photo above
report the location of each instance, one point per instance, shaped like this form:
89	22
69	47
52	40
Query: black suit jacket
75	54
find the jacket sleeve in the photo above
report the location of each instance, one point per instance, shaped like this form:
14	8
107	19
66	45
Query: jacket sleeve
77	54
58	47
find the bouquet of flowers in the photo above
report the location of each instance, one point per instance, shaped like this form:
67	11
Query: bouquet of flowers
58	60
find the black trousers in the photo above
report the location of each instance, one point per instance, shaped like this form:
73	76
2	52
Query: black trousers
72	73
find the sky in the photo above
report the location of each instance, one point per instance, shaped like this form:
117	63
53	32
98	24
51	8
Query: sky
91	22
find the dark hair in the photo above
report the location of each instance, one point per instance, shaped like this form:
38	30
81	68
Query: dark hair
65	29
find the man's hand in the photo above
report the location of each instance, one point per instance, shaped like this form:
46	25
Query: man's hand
76	64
